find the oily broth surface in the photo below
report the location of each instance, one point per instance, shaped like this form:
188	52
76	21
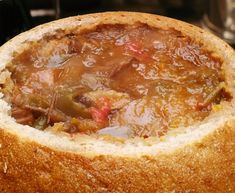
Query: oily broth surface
164	77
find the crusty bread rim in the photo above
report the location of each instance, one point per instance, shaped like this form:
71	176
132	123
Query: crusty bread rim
90	146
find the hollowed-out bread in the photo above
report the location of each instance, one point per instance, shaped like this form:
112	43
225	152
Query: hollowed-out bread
197	158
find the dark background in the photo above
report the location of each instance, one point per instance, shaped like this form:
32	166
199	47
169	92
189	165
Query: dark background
19	15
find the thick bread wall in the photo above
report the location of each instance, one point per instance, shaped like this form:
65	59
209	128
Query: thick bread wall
81	23
207	166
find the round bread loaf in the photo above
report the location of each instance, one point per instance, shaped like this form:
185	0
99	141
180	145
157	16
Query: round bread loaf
196	158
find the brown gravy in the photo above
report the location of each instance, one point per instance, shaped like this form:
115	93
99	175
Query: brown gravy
137	77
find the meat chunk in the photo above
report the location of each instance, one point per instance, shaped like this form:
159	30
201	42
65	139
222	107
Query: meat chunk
22	116
117	99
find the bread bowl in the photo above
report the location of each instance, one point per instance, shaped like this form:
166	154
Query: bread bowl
193	157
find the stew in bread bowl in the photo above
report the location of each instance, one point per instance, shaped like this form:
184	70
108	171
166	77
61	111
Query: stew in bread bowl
117	102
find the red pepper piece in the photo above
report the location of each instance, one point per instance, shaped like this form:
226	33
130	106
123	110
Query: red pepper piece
100	114
105	105
138	52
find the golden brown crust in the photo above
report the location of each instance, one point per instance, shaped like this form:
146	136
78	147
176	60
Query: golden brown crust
207	165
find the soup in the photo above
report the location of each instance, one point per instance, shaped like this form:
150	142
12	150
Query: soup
121	80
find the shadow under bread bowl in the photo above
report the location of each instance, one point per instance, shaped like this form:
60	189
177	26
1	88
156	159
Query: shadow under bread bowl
117	102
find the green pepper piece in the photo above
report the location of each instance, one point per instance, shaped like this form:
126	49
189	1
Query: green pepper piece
66	104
